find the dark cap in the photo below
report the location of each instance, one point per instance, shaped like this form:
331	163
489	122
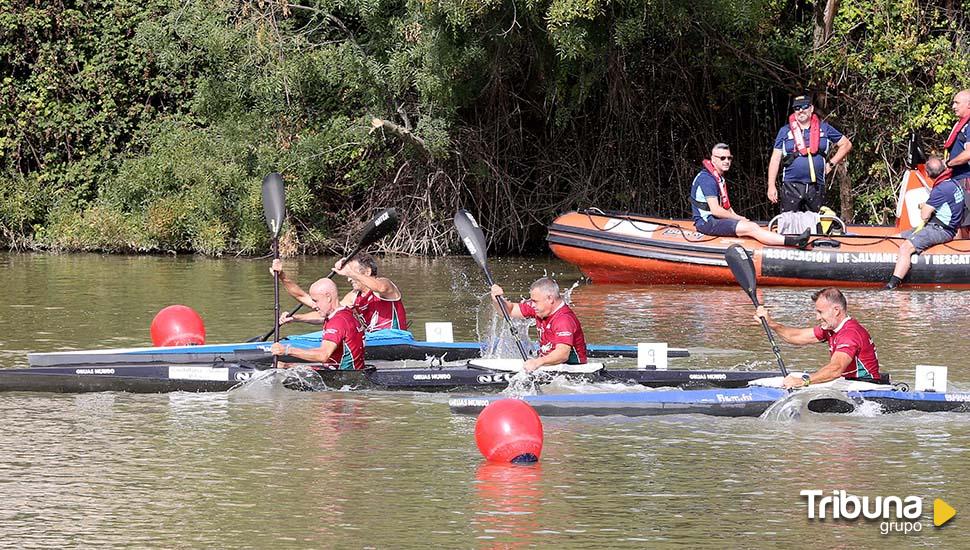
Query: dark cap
801	101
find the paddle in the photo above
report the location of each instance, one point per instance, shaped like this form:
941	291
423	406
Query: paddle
382	224
743	269
474	239
274	208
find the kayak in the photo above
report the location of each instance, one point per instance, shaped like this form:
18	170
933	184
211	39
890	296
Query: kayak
153	378
385	345
621	247
752	401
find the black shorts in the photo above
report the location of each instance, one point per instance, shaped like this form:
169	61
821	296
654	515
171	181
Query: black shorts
718	227
799	196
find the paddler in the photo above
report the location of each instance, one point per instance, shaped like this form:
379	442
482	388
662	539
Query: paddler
342	339
561	337
376	300
853	355
942	214
712	210
958	152
802	146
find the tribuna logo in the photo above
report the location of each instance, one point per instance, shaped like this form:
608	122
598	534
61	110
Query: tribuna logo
896	514
842	505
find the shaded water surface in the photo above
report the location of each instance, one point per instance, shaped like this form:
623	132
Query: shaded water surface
269	467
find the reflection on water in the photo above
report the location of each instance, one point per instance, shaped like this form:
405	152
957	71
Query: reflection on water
268	467
509	496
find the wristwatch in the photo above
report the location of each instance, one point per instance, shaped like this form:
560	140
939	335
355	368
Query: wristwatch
806	380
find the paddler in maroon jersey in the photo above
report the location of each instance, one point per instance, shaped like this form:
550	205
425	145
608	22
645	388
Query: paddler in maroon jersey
561	337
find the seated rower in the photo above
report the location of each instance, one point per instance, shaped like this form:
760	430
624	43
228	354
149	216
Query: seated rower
942	214
561	337
377	300
853	355
712	210
342	338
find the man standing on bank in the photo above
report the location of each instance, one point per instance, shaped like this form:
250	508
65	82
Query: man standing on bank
800	150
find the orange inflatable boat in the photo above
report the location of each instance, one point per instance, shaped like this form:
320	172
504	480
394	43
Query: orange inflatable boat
612	247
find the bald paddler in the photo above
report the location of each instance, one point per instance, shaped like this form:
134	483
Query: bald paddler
561	337
853	355
342	338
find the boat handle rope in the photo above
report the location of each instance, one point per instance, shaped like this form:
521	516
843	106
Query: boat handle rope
590	211
850	240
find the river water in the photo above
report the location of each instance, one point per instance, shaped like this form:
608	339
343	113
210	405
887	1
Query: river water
267	467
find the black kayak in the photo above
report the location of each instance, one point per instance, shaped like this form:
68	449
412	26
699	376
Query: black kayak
222	376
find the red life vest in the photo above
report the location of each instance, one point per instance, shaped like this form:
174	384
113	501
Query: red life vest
956	131
814	134
721	184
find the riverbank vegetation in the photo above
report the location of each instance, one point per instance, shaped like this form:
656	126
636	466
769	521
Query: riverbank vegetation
148	126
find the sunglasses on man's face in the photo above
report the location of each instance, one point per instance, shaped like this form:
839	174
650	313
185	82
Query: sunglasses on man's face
802	108
729	157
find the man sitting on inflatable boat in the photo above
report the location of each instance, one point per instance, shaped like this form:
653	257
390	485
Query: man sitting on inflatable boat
941	214
712	210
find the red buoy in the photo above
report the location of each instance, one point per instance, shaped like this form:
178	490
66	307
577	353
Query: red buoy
177	326
509	430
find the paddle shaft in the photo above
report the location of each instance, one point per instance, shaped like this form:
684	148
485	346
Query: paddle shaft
300	305
508	318
774	346
742	267
474	240
276	300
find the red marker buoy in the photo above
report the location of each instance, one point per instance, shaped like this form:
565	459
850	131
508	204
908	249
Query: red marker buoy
509	430
177	326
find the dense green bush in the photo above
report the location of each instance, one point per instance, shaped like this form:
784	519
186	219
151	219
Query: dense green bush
148	126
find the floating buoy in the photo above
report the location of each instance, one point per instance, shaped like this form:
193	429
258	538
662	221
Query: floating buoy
177	326
509	430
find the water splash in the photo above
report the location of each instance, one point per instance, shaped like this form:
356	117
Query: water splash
803	405
494	337
523	383
567	295
303	379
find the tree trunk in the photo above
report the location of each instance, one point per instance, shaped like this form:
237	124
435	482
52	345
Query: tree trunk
825	11
847	210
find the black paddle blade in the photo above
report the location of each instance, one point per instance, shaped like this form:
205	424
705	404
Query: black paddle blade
742	267
274	203
472	236
383	224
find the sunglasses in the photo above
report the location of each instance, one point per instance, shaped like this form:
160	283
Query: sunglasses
802	108
729	157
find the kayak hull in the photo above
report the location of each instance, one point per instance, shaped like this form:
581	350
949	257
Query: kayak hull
742	402
222	377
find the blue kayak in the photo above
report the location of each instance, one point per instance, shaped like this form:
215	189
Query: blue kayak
724	402
384	345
